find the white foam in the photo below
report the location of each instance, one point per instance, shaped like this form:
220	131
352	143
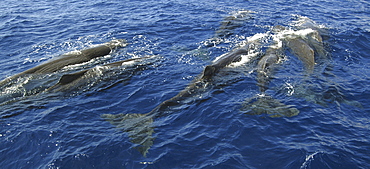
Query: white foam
252	52
289	33
305	21
79	65
308	159
300	20
117	42
244	59
129	62
257	36
17	87
76	52
99	70
241	14
218	57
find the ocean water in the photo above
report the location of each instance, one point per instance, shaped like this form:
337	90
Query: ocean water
211	129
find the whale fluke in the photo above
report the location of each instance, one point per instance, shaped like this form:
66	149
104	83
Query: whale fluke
138	126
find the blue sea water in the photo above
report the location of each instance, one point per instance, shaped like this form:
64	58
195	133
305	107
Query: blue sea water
55	130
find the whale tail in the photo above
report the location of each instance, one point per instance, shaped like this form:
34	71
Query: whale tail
261	105
138	126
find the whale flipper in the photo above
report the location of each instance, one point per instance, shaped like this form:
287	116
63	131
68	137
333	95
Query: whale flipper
138	126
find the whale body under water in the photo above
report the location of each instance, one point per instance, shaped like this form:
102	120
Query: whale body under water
121	70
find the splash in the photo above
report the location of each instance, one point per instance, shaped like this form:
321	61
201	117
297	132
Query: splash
309	159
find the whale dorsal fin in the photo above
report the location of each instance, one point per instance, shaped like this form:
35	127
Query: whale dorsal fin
67	78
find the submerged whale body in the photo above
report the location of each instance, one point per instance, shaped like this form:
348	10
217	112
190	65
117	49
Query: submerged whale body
139	126
89	77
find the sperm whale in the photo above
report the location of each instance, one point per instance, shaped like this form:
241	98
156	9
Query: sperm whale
69	59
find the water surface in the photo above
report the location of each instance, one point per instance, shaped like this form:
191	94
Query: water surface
65	130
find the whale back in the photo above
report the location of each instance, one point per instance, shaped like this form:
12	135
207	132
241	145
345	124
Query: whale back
95	52
303	51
